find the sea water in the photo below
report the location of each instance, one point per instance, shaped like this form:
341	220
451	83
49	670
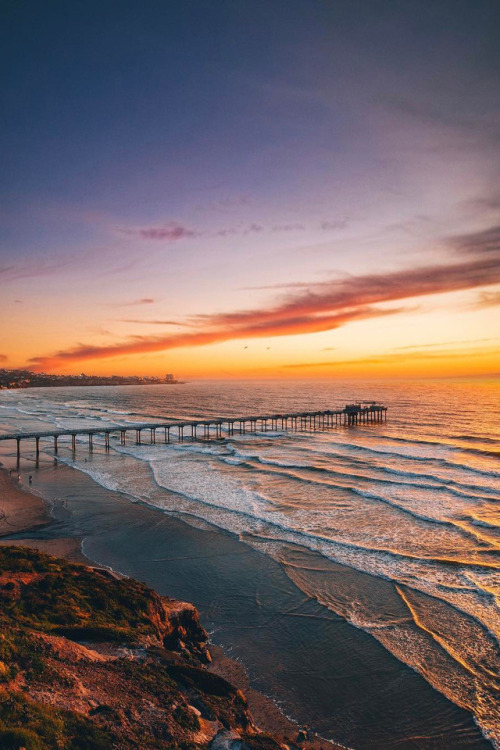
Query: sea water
410	506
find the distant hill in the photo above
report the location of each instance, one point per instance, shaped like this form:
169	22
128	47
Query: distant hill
29	379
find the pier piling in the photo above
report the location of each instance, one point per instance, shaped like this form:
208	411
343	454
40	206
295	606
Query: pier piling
351	415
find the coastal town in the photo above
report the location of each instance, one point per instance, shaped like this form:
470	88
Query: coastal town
11	379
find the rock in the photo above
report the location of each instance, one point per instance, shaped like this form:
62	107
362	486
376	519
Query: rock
227	739
301	736
180	628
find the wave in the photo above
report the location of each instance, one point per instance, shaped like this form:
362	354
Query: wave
305	534
456	488
450	442
424	459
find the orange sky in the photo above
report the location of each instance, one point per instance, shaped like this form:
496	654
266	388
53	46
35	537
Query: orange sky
309	194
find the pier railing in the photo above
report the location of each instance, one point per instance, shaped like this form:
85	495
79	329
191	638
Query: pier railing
350	415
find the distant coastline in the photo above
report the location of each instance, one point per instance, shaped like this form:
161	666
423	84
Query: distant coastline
15	379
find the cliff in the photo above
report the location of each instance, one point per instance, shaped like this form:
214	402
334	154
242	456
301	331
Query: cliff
89	661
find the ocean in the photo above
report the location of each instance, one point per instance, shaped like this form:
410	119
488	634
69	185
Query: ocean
353	570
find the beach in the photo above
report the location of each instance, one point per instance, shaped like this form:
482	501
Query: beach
237	591
25	515
360	629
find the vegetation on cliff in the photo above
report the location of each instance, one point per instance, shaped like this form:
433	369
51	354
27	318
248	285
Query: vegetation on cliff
88	661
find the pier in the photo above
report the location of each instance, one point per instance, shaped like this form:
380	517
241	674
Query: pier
350	415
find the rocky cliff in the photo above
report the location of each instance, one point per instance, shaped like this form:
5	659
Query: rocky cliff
89	661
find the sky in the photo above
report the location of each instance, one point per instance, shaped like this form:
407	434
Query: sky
250	188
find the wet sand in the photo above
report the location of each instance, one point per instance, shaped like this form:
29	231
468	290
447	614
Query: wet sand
26	516
317	667
19	508
23	512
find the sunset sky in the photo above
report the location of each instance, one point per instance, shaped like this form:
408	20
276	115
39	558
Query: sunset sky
250	188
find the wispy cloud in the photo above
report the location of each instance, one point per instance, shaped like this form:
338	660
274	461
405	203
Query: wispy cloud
486	241
155	322
243	231
321	307
3	358
172	231
487	299
288	228
33	269
135	302
393	358
481	126
445	343
328	226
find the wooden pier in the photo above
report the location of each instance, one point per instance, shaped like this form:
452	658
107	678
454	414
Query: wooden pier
350	415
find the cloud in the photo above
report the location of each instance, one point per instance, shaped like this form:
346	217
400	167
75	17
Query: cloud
3	358
32	269
172	231
288	228
487	299
444	343
486	241
399	358
472	124
354	293
135	302
240	230
338	224
155	322
322	307
338	363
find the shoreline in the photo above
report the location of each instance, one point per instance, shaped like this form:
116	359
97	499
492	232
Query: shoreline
267	631
22	512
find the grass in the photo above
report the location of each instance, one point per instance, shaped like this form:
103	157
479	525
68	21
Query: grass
143	703
24	723
75	601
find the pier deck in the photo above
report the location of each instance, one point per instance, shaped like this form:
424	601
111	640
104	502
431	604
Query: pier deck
350	415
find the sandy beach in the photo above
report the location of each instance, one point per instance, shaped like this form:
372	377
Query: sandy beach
19	509
24	513
267	630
